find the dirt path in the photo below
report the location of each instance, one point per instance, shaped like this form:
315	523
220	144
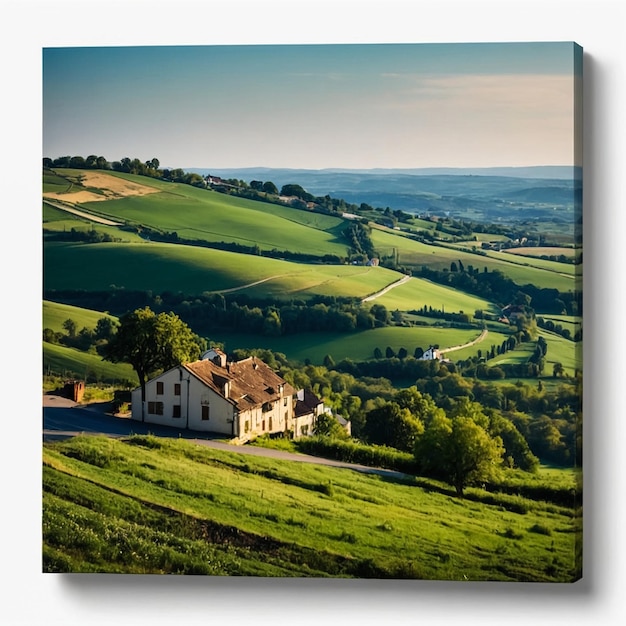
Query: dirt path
478	339
254	284
386	289
87	216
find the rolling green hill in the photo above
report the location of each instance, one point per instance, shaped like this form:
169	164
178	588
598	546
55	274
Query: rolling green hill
194	270
415	254
70	363
54	314
148	505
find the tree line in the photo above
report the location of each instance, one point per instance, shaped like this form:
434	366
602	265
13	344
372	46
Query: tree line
494	285
210	312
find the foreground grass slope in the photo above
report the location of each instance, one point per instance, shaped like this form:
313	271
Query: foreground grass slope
146	505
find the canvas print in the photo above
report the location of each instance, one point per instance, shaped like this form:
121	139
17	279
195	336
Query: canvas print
313	311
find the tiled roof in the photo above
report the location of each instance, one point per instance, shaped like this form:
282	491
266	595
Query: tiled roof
252	382
307	404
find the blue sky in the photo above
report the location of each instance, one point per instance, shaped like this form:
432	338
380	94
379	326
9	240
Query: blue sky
313	106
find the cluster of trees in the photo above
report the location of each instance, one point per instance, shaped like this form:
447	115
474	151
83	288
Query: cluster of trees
212	312
152	342
87	236
530	409
209	312
457	318
86	339
559	329
358	236
127	165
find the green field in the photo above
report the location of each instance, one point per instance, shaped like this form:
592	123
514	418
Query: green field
194	270
58	221
538	251
416	254
207	215
560	350
493	338
418	292
148	505
567	269
357	346
54	314
202	214
70	363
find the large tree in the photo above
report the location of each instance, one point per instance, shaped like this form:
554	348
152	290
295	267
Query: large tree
458	450
151	343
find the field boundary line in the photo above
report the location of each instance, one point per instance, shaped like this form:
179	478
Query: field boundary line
83	214
386	289
478	339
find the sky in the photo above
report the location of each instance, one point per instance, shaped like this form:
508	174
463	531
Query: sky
314	106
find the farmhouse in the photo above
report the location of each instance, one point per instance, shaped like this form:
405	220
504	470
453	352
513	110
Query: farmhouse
240	399
432	354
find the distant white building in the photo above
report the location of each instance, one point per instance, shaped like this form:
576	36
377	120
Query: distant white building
432	354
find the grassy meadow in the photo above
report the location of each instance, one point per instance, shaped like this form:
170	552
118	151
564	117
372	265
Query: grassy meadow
193	270
55	313
419	292
148	505
72	363
357	346
415	254
560	350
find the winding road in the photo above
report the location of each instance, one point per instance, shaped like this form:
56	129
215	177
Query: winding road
63	418
478	339
382	292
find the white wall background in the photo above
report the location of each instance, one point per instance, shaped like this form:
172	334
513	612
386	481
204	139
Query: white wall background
30	597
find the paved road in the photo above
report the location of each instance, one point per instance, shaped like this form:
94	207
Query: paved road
63	418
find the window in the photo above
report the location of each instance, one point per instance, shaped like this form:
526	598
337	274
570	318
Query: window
155	408
159	388
247	426
176	410
177	389
205	412
285	402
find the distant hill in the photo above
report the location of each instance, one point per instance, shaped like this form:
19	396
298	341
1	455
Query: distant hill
565	172
484	194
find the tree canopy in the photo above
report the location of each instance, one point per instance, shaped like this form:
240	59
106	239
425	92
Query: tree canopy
458	450
151	343
391	425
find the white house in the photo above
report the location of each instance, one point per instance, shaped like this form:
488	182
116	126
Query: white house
308	407
432	354
242	399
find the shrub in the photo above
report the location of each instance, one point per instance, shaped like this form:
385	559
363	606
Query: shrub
540	529
511	533
353	452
